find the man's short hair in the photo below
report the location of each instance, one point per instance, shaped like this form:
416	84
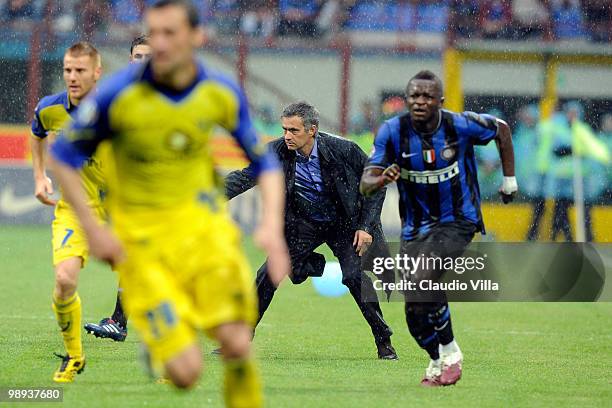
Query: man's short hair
84	48
140	40
192	12
304	110
427	75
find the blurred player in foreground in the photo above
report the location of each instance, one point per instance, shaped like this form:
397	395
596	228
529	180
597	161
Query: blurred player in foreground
173	242
430	153
82	69
115	326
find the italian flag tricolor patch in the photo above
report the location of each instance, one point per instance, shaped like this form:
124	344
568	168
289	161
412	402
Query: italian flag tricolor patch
429	155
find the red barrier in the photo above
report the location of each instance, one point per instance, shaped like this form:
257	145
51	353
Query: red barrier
15	146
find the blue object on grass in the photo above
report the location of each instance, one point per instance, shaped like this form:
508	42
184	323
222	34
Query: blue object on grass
330	284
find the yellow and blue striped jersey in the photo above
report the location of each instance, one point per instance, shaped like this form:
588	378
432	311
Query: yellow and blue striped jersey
161	139
51	115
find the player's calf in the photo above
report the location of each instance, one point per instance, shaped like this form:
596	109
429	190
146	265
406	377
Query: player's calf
235	340
184	370
66	306
66	277
242	382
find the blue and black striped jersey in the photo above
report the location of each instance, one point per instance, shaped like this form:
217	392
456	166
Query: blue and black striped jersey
438	181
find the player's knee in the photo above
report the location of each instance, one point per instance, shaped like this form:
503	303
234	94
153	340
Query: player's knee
236	349
66	276
235	341
185	377
185	370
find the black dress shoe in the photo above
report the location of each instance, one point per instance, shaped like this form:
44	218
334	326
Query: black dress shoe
386	351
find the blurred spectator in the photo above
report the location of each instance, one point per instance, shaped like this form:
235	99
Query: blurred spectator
403	15
530	18
64	16
433	16
297	17
392	105
259	18
93	15
526	142
19	9
595	158
227	16
266	123
605	135
206	8
563	136
127	12
465	14
369	15
333	15
606	127
598	19
555	149
366	119
584	142
489	174
363	125
567	19
495	18
530	173
491	19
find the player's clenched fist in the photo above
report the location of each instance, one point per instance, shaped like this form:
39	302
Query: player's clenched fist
391	174
43	188
375	178
508	189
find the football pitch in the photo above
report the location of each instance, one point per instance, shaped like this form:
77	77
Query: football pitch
312	351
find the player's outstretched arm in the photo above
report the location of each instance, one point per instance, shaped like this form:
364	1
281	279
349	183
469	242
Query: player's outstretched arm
375	178
102	243
238	182
42	184
270	234
506	154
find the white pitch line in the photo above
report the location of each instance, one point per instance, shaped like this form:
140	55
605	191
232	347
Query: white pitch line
17	317
527	333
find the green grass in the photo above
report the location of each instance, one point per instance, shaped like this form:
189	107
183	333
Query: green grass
313	351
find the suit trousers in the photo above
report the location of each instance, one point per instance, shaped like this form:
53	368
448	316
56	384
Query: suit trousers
303	237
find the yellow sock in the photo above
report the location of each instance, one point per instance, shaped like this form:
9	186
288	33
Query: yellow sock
242	384
68	315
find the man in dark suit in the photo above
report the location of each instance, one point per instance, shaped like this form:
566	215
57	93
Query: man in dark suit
323	205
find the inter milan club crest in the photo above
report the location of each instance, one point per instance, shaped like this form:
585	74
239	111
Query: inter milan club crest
448	153
429	155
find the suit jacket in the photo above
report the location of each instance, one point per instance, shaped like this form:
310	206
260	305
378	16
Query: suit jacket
342	163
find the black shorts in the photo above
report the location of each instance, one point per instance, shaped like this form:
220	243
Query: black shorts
435	248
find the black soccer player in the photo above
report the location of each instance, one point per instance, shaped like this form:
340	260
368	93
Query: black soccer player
429	151
115	326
